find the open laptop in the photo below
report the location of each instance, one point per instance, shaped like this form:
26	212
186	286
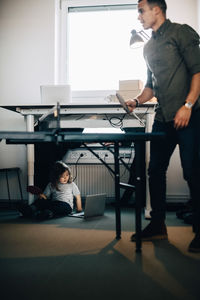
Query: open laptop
94	207
51	94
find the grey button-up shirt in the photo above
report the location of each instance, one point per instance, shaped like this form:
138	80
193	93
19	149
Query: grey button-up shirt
172	56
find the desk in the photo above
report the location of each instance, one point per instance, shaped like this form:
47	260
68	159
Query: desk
63	136
83	116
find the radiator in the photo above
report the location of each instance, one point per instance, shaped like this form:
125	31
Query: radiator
94	179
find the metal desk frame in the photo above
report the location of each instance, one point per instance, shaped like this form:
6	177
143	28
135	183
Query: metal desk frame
34	112
62	136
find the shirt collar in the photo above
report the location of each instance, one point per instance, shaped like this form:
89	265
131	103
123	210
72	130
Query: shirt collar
161	30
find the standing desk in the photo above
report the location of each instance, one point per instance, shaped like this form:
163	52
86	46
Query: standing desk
77	116
68	117
63	136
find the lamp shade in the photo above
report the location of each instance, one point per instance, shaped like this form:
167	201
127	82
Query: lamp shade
138	38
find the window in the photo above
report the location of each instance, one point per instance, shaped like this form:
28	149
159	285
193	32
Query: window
98	46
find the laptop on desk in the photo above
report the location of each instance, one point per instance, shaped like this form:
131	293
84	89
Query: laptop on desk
94	207
51	94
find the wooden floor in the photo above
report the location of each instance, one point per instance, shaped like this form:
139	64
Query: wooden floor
69	258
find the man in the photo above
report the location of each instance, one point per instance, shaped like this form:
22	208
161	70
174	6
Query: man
172	56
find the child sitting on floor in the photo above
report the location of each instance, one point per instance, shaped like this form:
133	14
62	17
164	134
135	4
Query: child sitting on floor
58	196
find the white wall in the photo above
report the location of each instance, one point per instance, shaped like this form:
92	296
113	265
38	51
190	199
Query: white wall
27	49
27	60
183	12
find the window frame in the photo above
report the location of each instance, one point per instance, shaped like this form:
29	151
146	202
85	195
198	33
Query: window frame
64	9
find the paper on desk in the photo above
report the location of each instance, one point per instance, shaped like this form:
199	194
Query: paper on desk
102	130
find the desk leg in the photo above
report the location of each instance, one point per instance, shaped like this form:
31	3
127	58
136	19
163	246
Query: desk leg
117	192
149	122
139	190
30	156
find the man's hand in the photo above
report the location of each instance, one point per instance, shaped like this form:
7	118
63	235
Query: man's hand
131	103
182	117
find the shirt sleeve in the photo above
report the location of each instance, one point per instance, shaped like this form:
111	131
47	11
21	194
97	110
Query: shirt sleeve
75	189
188	43
149	83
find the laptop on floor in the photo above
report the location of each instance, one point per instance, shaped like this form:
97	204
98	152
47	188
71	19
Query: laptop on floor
94	207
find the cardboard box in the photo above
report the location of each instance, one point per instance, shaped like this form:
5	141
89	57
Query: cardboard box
130	85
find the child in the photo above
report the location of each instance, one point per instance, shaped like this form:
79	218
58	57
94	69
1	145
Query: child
58	196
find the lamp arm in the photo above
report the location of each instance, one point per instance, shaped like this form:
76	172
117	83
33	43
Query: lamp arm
144	35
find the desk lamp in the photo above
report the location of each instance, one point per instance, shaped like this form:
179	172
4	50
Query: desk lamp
138	38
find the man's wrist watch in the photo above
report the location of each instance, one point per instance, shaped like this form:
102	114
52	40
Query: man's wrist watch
136	101
189	104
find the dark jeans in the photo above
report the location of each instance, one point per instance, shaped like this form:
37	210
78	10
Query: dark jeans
161	151
58	208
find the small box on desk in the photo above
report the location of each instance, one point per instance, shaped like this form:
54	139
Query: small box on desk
130	85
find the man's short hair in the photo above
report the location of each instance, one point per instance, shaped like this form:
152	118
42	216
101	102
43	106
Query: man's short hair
161	3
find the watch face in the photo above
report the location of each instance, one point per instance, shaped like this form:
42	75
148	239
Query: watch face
188	104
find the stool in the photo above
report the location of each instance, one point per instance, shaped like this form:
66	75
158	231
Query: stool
6	171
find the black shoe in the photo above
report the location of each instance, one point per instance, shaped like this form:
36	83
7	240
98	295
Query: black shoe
153	231
195	244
